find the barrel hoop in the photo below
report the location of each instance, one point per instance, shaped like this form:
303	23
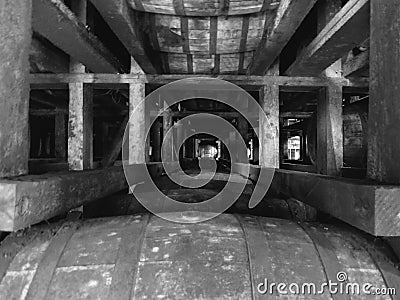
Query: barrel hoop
257	251
382	264
15	243
327	256
48	264
125	269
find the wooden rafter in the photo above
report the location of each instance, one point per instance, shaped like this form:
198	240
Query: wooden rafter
118	16
356	65
278	32
55	21
349	28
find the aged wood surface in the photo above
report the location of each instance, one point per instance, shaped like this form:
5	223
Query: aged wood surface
349	27
31	199
117	14
142	256
15	38
384	108
366	205
53	20
278	32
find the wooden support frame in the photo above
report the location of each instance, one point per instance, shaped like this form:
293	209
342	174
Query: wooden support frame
384	107
349	27
32	199
118	16
278	33
330	131
55	21
356	65
359	203
15	34
286	83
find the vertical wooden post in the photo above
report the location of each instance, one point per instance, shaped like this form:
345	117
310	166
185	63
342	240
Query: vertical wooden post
329	131
327	9
137	123
269	126
60	136
156	137
167	124
80	123
15	40
384	104
243	128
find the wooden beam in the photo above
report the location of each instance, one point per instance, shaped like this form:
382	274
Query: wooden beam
286	83
137	123
32	199
295	115
80	127
278	32
15	37
116	145
60	139
46	58
348	28
55	21
356	65
330	131
370	207
269	126
167	147
118	16
384	106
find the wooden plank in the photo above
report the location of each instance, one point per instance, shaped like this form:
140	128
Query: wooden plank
278	32
46	58
269	126
167	144
329	131
384	107
15	36
137	128
80	127
117	14
60	81
56	22
31	199
356	65
369	206
349	27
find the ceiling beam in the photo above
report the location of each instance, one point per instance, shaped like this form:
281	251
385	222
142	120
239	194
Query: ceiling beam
278	32
117	14
55	21
356	65
349	28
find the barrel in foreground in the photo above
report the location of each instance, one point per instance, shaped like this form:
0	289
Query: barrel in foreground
228	257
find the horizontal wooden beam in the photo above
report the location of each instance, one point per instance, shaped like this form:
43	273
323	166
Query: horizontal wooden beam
55	21
118	16
356	65
286	83
348	28
370	207
31	199
278	33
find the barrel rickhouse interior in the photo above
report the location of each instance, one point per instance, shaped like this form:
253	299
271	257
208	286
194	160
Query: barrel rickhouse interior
199	149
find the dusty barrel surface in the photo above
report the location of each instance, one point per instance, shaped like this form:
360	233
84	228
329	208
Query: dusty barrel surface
145	257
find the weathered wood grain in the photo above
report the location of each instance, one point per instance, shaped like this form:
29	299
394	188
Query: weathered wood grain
349	27
383	147
15	39
32	199
53	20
356	65
117	14
278	32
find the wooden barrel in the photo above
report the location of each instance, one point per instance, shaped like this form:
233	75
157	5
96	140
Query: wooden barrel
355	135
145	257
